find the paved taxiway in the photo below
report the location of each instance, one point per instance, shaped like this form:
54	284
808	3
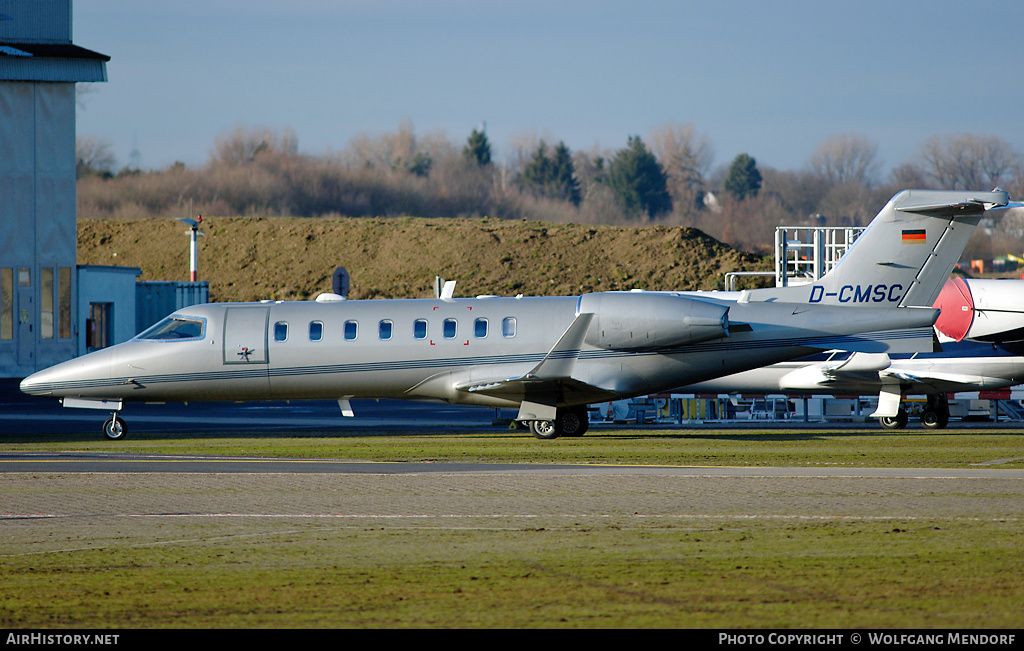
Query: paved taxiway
102	462
53	500
80	490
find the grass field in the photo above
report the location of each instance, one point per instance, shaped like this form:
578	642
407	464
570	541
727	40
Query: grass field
906	566
867	447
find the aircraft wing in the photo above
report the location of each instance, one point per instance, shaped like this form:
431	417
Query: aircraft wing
539	396
550	382
858	369
938	382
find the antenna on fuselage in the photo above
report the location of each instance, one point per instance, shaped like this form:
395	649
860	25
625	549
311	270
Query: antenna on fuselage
340	281
443	289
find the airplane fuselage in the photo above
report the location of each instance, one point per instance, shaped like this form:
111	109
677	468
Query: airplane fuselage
547	355
428	349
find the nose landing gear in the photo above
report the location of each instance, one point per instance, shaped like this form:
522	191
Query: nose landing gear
115	428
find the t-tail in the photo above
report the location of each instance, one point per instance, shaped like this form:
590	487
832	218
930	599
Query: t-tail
903	258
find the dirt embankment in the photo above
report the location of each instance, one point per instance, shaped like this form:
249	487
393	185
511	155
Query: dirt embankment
294	258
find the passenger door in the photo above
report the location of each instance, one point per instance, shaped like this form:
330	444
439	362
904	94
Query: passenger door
245	335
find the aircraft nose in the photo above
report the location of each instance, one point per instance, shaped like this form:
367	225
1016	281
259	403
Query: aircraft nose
41	383
36	384
71	378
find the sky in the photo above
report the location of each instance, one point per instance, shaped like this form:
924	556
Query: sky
773	79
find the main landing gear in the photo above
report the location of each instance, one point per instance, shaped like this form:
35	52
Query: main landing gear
569	421
934	416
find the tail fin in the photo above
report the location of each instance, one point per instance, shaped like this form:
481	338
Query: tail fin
903	257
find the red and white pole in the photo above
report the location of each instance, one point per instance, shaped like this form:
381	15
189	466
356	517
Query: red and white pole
194	255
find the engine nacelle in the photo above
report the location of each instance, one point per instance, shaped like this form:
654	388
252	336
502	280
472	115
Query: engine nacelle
984	310
642	320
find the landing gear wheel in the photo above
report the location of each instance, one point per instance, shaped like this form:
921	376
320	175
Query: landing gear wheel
115	428
936	414
568	422
934	419
573	422
899	421
544	429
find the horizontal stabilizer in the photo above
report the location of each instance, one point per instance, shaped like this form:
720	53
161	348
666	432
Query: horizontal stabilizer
988	201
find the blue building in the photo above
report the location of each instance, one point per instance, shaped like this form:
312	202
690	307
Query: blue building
39	67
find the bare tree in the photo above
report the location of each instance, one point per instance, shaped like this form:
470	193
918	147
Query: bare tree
846	159
908	176
686	157
244	144
970	162
93	156
399	151
520	148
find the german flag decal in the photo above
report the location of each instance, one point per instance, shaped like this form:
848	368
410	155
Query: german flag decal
914	236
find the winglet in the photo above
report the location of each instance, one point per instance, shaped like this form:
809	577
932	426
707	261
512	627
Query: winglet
561	359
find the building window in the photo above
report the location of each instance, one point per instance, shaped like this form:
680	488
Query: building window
384	329
64	302
419	328
480	328
508	327
46	303
7	303
316	331
449	328
351	330
99	327
280	331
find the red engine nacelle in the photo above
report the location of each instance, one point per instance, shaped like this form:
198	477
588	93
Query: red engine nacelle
985	310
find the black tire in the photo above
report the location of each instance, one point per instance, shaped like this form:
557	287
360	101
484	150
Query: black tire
899	421
934	419
115	429
573	422
544	429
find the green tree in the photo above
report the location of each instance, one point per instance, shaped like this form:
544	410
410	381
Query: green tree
477	149
743	180
638	180
554	176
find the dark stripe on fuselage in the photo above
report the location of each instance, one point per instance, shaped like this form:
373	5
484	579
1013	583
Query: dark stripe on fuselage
262	371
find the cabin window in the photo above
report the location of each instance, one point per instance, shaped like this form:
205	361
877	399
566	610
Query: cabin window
351	330
449	328
280	331
508	327
480	328
419	328
384	329
316	331
175	327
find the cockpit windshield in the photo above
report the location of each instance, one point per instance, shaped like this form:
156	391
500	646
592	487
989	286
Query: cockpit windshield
175	328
